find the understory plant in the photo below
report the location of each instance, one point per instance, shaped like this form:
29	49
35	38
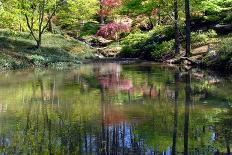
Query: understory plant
152	45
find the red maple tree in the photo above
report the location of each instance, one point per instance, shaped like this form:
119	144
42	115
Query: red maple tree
112	30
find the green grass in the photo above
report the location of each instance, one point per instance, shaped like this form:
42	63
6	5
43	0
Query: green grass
18	51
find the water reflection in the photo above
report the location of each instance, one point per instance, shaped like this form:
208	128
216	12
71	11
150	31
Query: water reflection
114	109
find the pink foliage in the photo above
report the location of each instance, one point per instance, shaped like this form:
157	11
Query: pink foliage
111	82
108	5
111	30
111	3
126	85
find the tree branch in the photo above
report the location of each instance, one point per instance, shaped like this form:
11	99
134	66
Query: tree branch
30	28
50	17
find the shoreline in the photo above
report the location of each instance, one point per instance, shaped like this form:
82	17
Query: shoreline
69	65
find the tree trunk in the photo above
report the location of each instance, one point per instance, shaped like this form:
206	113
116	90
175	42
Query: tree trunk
188	31
177	34
101	13
50	27
38	42
20	23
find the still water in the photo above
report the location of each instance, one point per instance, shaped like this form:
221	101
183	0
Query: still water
115	109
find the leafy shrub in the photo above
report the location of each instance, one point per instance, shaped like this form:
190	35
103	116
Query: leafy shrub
112	30
160	50
202	37
199	38
139	37
225	50
227	19
89	28
168	31
129	52
211	33
149	45
223	57
135	38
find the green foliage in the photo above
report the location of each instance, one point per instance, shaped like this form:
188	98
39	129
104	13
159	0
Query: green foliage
163	49
228	19
225	50
73	13
201	38
211	33
89	28
11	15
223	57
215	11
135	38
153	44
138	7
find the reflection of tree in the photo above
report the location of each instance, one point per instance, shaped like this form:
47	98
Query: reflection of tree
175	122
186	116
103	111
224	130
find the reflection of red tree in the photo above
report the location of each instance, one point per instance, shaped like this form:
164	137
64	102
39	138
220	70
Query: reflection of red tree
113	82
109	78
150	92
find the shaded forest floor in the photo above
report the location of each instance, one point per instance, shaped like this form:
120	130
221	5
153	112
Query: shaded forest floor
18	51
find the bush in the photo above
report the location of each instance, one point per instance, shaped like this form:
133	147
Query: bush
135	38
152	45
160	50
223	57
211	33
149	45
225	50
227	19
202	37
199	38
113	30
89	28
167	31
139	37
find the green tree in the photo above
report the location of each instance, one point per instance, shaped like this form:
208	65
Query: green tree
39	13
77	12
11	15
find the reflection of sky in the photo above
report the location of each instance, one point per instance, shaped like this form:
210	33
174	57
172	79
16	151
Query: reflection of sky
90	146
168	151
128	142
213	137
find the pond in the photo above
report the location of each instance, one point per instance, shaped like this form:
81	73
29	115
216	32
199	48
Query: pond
115	109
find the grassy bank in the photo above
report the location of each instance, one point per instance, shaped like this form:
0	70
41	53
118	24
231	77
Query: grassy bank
18	51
